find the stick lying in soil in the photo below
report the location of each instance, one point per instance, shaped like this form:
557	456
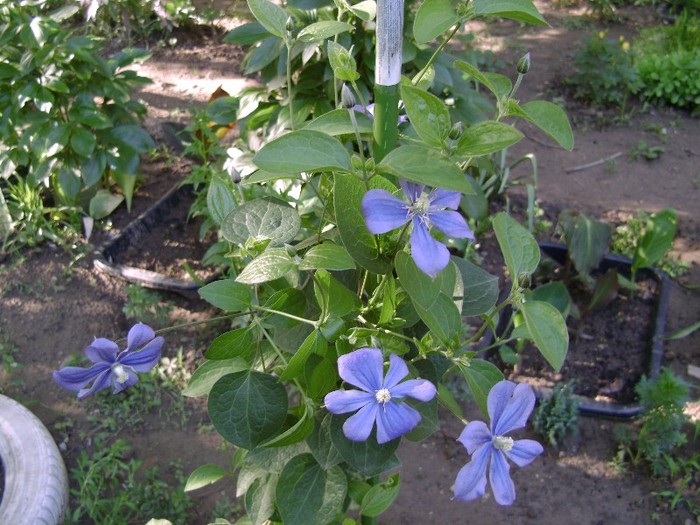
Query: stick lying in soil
593	164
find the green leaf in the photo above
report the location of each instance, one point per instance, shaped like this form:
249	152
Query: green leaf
342	62
327	256
306	494
104	203
448	400
220	200
303	151
223	110
433	18
587	240
246	34
210	372
260	219
368	457
320	375
319	442
522	10
247	408
427	114
358	241
365	10
380	497
234	343
203	476
437	310
82	141
476	289
487	137
319	31
132	136
424	166
656	241
314	343
227	295
429	423
263	54
299	431
548	330
481	376
554	293
605	291
270	265
271	16
339	301
519	247
685	332
551	119
338	122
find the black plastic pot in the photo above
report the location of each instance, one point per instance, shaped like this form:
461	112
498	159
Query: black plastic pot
134	234
589	406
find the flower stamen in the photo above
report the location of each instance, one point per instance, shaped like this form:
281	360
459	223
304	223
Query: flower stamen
121	374
503	443
383	396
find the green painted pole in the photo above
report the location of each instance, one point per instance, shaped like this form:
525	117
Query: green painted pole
387	75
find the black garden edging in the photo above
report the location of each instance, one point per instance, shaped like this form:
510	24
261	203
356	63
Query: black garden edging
587	405
134	234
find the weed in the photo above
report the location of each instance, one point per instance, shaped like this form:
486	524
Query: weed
146	306
626	238
557	416
109	488
643	150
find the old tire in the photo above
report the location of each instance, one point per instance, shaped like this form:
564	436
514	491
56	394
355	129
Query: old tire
36	484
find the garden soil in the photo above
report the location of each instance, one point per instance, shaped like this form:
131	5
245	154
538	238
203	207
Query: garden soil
53	304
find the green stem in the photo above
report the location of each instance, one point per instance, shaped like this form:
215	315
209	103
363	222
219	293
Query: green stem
285	314
423	71
290	92
386	116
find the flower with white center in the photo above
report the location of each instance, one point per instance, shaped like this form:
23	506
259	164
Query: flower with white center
112	367
509	406
379	398
384	212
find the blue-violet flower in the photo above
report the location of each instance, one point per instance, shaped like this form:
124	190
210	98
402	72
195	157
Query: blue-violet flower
112	366
376	399
509	406
384	212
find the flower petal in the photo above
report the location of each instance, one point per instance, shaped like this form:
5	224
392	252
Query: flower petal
441	199
394	420
524	451
420	389
430	255
471	479
397	371
474	435
509	406
452	224
139	335
144	359
101	382
359	426
102	351
363	368
412	190
383	212
75	378
343	401
499	476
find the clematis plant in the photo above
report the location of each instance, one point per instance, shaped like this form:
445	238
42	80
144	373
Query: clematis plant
377	398
384	212
113	367
509	406
335	330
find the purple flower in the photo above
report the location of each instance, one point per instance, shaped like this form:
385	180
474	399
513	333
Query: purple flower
112	366
376	399
384	212
509	407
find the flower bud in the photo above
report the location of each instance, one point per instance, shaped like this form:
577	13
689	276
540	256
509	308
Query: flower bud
347	98
456	131
369	165
524	64
289	25
356	163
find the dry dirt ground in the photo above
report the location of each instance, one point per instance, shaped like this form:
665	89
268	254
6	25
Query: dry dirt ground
50	308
